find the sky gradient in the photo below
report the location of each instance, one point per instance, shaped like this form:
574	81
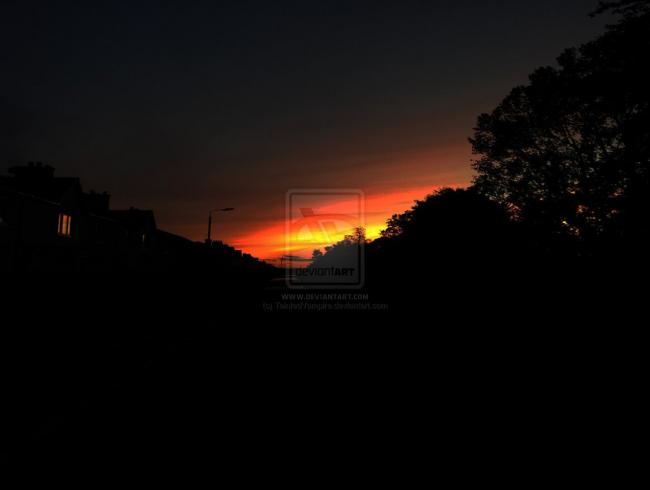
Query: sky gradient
185	106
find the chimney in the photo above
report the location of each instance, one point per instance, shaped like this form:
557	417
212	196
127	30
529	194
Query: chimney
97	203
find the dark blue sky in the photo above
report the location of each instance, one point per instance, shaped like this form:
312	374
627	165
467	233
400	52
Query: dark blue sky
182	105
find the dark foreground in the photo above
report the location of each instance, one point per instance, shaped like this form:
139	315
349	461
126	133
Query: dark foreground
141	370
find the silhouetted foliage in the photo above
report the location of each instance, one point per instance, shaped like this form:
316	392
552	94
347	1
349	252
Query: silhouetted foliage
441	242
342	252
569	153
562	192
445	213
628	8
452	224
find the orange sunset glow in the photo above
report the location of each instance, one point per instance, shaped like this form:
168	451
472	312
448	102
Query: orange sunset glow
390	183
272	242
270	209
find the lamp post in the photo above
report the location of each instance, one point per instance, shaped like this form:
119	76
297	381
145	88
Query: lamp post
224	210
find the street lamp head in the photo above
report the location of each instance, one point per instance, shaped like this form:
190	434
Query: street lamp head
209	240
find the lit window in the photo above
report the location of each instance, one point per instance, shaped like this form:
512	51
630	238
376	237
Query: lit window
64	224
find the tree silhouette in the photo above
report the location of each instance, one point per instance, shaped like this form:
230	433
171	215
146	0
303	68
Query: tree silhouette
458	223
446	212
344	251
570	152
629	8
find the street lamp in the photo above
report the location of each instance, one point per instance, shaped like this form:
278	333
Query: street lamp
223	210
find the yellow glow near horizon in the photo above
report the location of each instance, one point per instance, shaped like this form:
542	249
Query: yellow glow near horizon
270	243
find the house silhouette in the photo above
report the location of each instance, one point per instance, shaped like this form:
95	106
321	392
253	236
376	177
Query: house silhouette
49	223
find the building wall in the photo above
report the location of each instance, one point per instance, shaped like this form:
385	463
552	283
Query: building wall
29	237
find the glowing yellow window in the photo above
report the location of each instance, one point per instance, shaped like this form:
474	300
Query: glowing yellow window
64	224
